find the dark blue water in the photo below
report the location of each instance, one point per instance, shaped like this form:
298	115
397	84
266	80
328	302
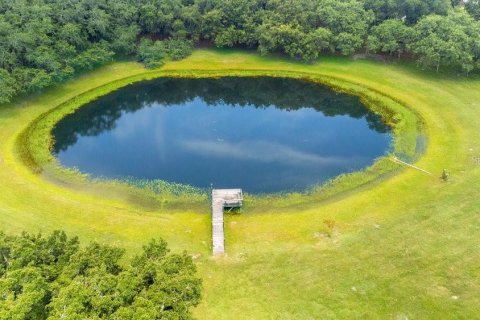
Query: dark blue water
259	134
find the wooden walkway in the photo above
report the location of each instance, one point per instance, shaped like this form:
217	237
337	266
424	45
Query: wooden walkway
222	198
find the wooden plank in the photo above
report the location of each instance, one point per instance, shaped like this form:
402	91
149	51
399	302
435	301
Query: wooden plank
395	159
222	198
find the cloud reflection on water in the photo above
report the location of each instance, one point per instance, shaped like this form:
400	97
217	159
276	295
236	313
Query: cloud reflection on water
262	151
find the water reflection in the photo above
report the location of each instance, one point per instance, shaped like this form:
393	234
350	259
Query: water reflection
261	134
261	151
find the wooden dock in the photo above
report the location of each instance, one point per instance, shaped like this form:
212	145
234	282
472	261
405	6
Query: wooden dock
221	199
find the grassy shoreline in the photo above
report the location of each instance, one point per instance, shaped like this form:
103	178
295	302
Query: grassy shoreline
404	246
33	139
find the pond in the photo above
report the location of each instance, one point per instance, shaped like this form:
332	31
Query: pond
261	134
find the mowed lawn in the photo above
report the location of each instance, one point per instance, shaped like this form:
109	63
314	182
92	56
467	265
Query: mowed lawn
404	248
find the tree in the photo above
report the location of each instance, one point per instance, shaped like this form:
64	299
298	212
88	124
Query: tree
230	22
162	17
31	79
23	294
391	36
53	278
177	49
384	9
94	56
7	86
448	41
347	20
413	10
124	41
408	10
151	53
473	8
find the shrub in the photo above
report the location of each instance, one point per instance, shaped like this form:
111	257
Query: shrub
151	53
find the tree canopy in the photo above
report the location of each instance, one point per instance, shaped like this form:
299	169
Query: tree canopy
53	277
43	42
447	40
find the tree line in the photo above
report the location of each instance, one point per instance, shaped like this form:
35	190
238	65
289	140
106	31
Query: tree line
43	42
53	277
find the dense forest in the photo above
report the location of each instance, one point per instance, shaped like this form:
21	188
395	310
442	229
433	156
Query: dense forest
43	42
53	277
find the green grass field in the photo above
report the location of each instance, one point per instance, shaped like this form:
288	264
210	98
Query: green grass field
403	246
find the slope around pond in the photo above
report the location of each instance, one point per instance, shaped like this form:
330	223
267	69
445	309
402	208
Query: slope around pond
402	247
